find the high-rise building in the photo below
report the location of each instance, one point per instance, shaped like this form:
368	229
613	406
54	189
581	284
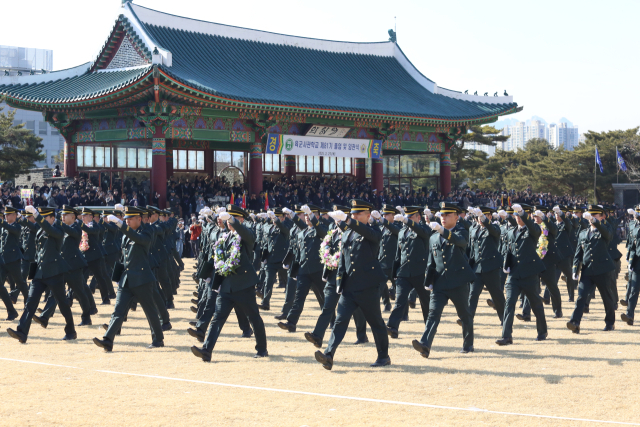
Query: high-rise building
561	135
15	61
522	132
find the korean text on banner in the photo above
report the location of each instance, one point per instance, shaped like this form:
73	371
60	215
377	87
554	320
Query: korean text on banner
328	147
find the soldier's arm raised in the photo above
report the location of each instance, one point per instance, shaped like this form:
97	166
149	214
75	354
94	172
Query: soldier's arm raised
494	230
10	228
373	234
394	229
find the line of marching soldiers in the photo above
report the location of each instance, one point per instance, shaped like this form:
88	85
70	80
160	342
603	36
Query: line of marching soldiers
54	249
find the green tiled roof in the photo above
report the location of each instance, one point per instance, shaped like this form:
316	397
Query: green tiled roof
74	89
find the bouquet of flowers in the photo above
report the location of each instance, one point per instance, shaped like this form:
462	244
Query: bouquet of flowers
543	242
84	242
226	263
328	259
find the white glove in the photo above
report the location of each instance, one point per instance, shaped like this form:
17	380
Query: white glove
252	215
401	209
398	218
471	209
220	210
575	215
550	214
439	214
495	215
114	219
507	271
587	216
376	215
435	226
271	214
429	288
339	215
427	213
557	209
575	277
224	216
631	211
477	212
306	209
539	214
287	211
517	208
31	210
119	207
502	213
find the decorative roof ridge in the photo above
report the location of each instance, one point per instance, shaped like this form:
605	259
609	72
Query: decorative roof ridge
45	78
111	70
161	19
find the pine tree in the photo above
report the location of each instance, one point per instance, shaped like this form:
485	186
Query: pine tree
20	148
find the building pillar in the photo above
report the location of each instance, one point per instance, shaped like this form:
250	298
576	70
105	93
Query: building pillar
376	175
208	162
70	169
290	166
360	171
255	168
159	166
445	173
170	161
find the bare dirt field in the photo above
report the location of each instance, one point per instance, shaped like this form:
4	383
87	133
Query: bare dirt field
587	379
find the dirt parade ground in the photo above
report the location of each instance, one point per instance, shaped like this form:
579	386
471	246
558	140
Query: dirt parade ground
587	379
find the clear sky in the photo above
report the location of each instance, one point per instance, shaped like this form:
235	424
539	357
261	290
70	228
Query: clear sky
561	58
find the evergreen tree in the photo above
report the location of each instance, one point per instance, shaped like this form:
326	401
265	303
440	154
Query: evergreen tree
20	148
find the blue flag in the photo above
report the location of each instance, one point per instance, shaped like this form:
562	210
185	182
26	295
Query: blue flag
621	164
598	161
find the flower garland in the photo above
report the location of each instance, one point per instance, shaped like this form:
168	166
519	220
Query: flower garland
543	242
329	260
226	264
84	242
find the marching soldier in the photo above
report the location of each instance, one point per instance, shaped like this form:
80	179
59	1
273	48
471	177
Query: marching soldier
634	226
523	265
408	267
358	278
388	246
564	248
8	268
310	272
634	283
159	249
290	261
486	260
94	256
593	263
136	280
275	248
28	239
235	285
49	274
448	275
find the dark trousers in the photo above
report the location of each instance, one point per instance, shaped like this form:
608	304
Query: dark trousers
490	279
404	285
632	292
565	267
195	248
96	267
4	294
289	293
305	282
368	300
586	286
54	284
244	299
109	261
14	270
529	286
164	280
550	279
328	314
384	289
613	282
460	298
75	280
210	302
272	271
160	304
178	259
144	295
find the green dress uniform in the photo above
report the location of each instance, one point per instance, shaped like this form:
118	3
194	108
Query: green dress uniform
291	264
11	260
28	241
235	290
388	248
448	272
524	267
408	269
160	251
276	247
486	262
137	281
565	251
94	257
358	278
594	263
634	271
634	226
49	275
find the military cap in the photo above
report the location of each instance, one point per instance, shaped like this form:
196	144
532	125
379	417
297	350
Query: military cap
46	211
564	208
344	209
596	209
66	209
527	208
358	205
10	209
412	210
132	211
297	209
541	208
237	211
277	211
434	209
637	208
389	209
324	211
448	207
107	212
314	208
86	211
25	213
152	210
486	210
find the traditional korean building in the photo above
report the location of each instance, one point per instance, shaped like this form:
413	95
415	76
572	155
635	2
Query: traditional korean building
169	95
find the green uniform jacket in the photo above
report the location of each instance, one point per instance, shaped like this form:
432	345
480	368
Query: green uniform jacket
49	244
359	258
277	241
521	256
615	240
111	239
592	254
485	241
309	240
388	244
245	275
11	249
411	253
447	265
71	246
564	248
28	239
135	256
95	242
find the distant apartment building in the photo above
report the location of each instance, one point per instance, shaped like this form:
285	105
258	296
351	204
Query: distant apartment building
522	132
490	150
16	61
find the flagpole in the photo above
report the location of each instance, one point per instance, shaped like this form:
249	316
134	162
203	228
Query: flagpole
595	166
618	168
